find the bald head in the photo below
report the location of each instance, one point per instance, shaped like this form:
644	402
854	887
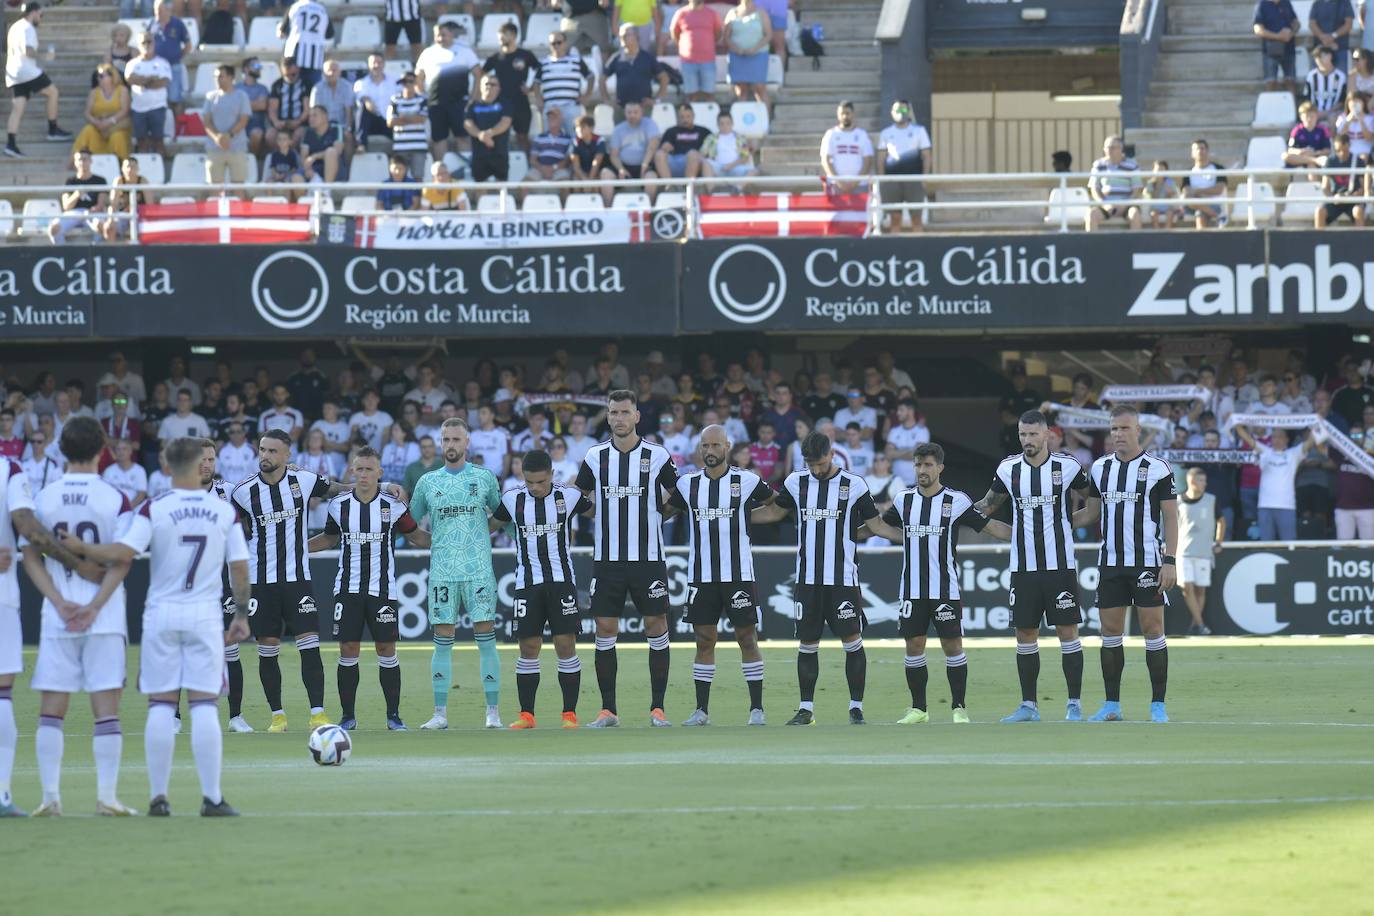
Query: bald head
715	448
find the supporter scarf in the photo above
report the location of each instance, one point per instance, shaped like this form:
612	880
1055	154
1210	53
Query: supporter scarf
1209	456
1118	393
1083	418
1322	431
1274	421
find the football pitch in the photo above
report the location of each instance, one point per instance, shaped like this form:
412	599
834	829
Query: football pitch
1259	797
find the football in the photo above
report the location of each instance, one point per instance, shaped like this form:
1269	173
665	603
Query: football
330	746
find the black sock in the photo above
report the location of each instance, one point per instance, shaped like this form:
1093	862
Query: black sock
571	682
390	679
527	686
1028	670
917	677
958	682
808	672
1113	664
52	125
269	672
10	141
605	671
235	688
659	659
703	695
312	675
1157	662
348	688
1073	668
755	694
856	671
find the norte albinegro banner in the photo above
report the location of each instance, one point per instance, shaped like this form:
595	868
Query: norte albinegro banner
520	229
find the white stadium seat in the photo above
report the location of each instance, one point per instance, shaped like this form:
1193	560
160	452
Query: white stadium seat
542	203
518	166
1274	110
751	119
490	38
1297	212
37	214
1304	10
360	33
584	201
538	28
775	71
1075	200
188	168
204	81
491	203
1265	208
262	36
152	167
106	165
177	199
368	168
397	68
1265	153
358	203
271	199
271	72
705	114
6	219
670	200
663	115
604	115
192	29
631	200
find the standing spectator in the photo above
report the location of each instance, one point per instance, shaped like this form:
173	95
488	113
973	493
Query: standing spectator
579	443
371	425
1330	22
1292	394
238	459
125	476
632	144
777	11
488	124
514	68
281	415
1201	530
148	77
1309	142
766	455
405	195
286	105
697	29
902	439
373	92
323	145
445	71
823	400
551	151
307	30
1278	465
635	69
1277	25
226	116
184	422
1242	391
1361	75
1203	182
25	79
429	460
1355	492
589	160
679	150
846	152
1021	397
1325	86
1115	184
906	151
308	385
783	414
1350	400
643	17
892	376
335	95
80	206
178	380
400	452
562	80
257	103
172	42
1342	181
489	444
407	119
127	380
429	391
725	153
108	128
121	48
857	411
747	34
402	17
586	24
218	26
536	435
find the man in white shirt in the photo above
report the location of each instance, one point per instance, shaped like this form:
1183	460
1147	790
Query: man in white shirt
894	378
537	435
25	79
860	452
335	428
490	444
281	415
148	77
178	380
579	443
906	151
1278	503
129	381
238	459
856	411
447	70
373	425
427	391
183	422
125	476
373	93
846	152
42	468
902	440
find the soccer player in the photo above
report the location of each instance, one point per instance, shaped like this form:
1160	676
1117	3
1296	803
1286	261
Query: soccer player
457	498
367	521
541	514
717	501
84	633
1044	571
191	534
213	483
1138	501
926	522
626	479
830	506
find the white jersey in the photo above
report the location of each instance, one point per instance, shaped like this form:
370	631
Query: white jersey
718	515
130	481
20	65
14	495
847	149
1132	494
191	535
905	440
490	446
829	513
236	463
309	24
97	513
1041	516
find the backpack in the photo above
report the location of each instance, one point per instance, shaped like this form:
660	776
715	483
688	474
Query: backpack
811	38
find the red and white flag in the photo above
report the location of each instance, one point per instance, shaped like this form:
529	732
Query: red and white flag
223	221
775	215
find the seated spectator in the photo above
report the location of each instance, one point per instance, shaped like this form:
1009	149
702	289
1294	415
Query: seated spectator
286	105
679	151
632	144
1357	126
446	198
1345	183
846	152
1202	183
551	151
226	115
80	205
1325	86
1330	22
148	77
257	101
1160	190
589	160
747	34
218	27
323	145
488	124
403	196
1276	26
697	29
725	153
1309	142
1361	75
120	53
635	69
407	116
373	92
172	42
513	67
336	96
108	128
284	165
120	212
1115	184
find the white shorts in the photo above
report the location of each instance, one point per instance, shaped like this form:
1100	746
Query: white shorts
11	641
182	658
1196	571
70	664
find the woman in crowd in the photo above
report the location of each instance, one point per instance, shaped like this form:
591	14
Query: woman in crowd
748	35
108	127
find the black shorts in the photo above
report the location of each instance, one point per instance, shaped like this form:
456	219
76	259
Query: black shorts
839	606
1333	211
1051	595
710	601
227	602
287	608
32	87
644	581
917	614
634	171
446	119
380	614
392	29
489	165
520	115
554	603
1122	586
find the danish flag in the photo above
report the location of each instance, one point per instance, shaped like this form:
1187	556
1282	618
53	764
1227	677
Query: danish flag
222	221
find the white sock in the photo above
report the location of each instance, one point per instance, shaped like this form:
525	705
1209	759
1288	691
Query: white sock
808	705
207	744
48	742
316	710
107	744
9	737
159	739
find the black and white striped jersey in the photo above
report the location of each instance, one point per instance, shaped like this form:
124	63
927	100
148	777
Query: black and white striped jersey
275	520
307	34
1132	494
402	10
414	137
561	80
718	522
1041	511
829	513
1326	91
542	529
629	511
930	525
367	538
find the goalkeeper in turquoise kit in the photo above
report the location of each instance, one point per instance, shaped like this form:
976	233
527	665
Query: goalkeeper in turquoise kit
458	497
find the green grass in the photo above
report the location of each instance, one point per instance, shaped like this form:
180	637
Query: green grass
1258	798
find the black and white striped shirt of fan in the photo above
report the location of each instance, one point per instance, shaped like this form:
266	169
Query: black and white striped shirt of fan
276	524
629	513
402	10
828	511
367	537
1326	91
718	523
542	529
1132	519
930	525
307	34
1041	510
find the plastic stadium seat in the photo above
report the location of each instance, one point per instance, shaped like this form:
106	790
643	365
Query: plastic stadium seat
359	33
1274	110
537	30
775	71
106	165
240	36
663	115
670	200
137	27
542	203
604	115
262	36
204	81
584	201
6	219
490	37
396	68
358	203
1299	212
518	166
1265	153
192	29
751	119
188	168
469	33
491	203
631	200
152	167
37	214
705	112
368	168
271	199
1075	200
1265	209
178	199
271	72
322	203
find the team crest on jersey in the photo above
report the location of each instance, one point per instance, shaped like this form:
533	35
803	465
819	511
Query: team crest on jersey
472	489
1057	477
1142	474
947	510
644	465
844	491
657	589
386	514
735	489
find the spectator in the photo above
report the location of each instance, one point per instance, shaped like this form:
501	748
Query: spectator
108	128
783	414
238	459
679	150
1277	25
226	115
120	425
373	92
1357	125
1279	461
445	71
1021	397
448	198
586	25
11	443
846	152
307	30
1161	190
1241	390
80	206
323	146
160	481
635	69
1202	183
766	455
564	471
488	124
129	381
726	154
589	160
1341	185
336	96
1361	75
642	17
908	432
281	415
408	120
747	35
906	151
404	196
40	466
551	151
171	42
1292	395
1309	142
777	11
284	164
514	67
429	390
489	443
125	476
24	78
537	434
257	102
821	401
218	27
1325	86
148	77
429	460
579	443
1115	184
697	29
860	452
632	144
893	377
120	213
403	17
1355	492
178	380
399	453
1350	400
857	411
516	477
335	430
120	53
562	80
370	425
883	485
1201	530
286	105
184	422
1330	22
